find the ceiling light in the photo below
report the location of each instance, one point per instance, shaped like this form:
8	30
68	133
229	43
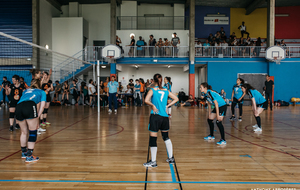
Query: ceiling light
132	34
46	46
103	66
136	66
169	66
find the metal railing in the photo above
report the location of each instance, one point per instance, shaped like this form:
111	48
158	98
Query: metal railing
152	23
155	51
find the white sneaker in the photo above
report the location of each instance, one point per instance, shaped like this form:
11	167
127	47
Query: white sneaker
255	126
258	129
39	133
41	130
109	111
115	111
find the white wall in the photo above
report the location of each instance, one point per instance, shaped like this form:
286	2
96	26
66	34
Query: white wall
98	17
65	11
67	35
167	10
47	11
179	78
182	34
129	8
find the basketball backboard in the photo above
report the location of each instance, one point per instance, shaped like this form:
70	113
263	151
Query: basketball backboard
275	54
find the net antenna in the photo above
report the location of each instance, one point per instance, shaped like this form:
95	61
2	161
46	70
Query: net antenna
275	54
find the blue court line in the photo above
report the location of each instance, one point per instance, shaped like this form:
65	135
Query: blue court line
175	182
172	173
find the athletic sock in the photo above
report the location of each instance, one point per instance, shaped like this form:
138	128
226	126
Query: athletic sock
24	149
153	153
44	120
41	121
29	152
211	127
221	128
169	148
258	121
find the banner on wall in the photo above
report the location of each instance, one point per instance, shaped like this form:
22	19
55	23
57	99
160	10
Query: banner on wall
216	20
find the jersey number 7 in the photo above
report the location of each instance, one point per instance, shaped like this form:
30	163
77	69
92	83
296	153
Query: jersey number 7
162	95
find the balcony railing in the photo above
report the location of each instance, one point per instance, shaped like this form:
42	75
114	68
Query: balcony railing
94	53
152	23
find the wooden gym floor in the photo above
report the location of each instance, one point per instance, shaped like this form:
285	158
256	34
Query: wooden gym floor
79	152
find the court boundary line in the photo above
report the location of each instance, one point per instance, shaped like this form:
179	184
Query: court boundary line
168	182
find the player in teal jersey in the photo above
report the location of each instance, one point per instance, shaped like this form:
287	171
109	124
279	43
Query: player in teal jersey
168	86
219	112
157	98
259	104
28	110
237	97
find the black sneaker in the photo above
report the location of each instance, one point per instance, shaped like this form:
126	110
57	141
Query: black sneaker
17	126
170	160
232	118
150	164
11	128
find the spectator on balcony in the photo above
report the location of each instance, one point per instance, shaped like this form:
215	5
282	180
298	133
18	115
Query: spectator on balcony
175	43
218	48
167	49
258	45
118	39
222	31
132	44
206	47
140	44
210	37
283	45
217	37
248	40
243	30
223	37
198	48
152	43
160	45
232	36
118	44
225	47
242	49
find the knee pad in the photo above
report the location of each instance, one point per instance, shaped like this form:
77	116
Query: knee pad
32	136
165	135
152	141
11	115
45	110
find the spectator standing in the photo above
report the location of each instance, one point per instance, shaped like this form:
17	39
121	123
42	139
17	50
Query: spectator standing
269	86
137	93
258	45
175	43
57	90
222	31
243	30
198	48
152	43
73	90
132	44
210	37
206	48
140	44
91	92
142	90
131	85
105	84
283	45
113	88
160	45
167	49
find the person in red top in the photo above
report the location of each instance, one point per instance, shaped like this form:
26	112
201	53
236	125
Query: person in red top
142	90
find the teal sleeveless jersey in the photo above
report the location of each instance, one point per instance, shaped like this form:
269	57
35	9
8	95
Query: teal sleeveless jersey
160	100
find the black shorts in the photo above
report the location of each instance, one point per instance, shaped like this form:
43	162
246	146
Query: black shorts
237	101
222	110
263	105
158	122
48	98
26	110
13	103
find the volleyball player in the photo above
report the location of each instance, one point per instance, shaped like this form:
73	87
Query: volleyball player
259	104
168	86
28	110
23	82
14	93
237	97
47	86
219	112
159	119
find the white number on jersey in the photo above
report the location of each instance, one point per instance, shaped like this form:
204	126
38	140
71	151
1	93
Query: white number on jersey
162	95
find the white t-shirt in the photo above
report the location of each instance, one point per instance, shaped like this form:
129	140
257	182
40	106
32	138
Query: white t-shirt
198	45
243	28
92	88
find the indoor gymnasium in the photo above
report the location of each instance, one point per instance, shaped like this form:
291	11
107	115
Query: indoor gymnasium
148	94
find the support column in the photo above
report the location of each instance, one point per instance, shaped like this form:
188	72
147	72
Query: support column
192	49
35	33
271	23
113	70
113	21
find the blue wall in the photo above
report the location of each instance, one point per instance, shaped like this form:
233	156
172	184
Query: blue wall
203	31
286	79
9	73
222	74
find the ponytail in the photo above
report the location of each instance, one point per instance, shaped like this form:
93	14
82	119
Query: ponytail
158	80
248	87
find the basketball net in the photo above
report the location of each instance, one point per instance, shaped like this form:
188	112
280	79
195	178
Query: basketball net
277	61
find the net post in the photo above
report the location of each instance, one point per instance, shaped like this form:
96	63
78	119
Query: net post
98	87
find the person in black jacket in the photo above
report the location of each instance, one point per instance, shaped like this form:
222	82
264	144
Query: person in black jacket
269	86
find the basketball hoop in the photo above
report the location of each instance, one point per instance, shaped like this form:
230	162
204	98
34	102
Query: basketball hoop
275	54
277	60
110	59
